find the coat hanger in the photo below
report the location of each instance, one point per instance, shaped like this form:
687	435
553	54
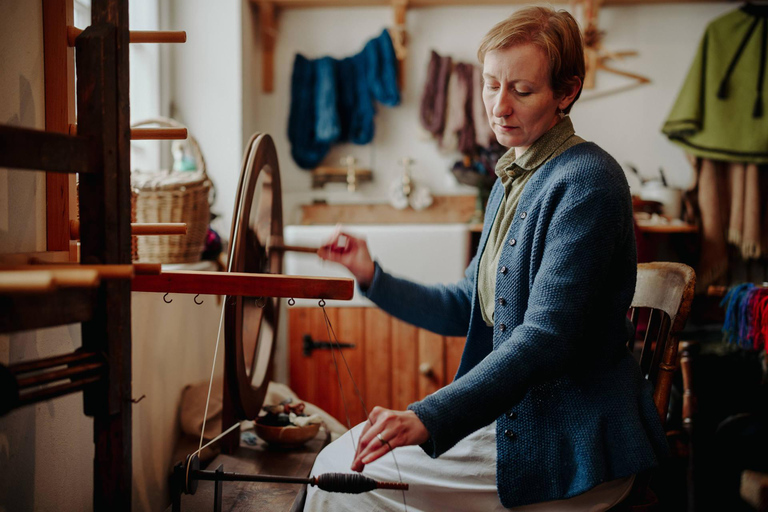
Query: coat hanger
596	56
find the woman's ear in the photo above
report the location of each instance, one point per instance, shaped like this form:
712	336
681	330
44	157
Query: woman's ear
571	94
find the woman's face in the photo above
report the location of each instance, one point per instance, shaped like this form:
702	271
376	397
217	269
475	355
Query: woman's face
518	97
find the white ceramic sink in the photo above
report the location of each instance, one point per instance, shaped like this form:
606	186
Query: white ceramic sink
426	253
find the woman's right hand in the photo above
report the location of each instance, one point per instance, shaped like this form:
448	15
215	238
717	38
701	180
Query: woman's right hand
352	252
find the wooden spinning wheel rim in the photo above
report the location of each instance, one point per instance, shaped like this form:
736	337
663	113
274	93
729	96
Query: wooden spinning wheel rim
255	225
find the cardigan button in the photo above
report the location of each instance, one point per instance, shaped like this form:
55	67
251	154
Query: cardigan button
503	270
502	327
512	241
510	434
502	301
523	215
512	415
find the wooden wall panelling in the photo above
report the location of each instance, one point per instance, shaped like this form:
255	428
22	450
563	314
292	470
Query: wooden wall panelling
325	387
59	61
300	368
350	329
378	358
454	347
393	363
431	362
405	353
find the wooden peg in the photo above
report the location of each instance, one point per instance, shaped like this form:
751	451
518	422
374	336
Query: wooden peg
147	269
400	39
139	228
138	36
20	281
74	273
31	280
75	277
160	228
149	133
268	32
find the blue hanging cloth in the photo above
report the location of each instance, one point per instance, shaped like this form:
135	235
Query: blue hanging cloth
332	100
327	127
355	104
306	149
382	69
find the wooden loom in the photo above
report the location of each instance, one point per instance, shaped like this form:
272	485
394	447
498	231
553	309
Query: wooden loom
97	292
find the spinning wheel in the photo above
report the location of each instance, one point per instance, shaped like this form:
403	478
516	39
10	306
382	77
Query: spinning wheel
251	324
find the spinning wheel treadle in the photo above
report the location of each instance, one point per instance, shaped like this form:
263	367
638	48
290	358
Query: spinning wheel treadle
251	323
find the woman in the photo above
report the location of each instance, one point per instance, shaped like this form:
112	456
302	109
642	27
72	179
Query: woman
548	408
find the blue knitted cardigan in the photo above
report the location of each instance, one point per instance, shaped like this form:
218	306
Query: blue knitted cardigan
572	409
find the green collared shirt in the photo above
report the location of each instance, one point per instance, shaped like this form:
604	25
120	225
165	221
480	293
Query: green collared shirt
514	173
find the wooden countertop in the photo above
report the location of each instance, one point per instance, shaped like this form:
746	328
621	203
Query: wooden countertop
444	210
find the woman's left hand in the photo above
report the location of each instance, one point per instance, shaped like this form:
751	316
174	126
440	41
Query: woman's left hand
384	431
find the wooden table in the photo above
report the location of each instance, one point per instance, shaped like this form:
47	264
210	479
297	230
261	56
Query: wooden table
259	496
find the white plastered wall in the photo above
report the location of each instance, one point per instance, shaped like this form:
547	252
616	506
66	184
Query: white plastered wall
626	124
46	450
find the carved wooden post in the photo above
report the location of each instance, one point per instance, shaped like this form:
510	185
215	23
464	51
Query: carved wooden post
105	231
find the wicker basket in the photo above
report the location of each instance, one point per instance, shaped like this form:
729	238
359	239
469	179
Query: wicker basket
168	196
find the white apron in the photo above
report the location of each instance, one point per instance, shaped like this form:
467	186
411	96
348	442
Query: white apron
463	479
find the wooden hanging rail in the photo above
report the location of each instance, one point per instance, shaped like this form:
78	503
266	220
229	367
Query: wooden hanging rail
149	133
245	284
139	228
23	148
138	36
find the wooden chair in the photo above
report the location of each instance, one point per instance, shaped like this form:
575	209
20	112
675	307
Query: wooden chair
660	307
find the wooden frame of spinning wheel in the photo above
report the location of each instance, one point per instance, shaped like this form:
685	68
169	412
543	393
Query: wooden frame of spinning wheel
244	390
254	270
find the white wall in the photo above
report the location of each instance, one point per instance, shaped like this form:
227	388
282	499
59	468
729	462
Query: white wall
207	91
173	346
626	124
46	450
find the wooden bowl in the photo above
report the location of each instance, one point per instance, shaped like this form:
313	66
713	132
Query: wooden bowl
287	437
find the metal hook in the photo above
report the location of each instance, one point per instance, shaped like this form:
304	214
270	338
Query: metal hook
321	303
291	301
195	299
260	302
166	299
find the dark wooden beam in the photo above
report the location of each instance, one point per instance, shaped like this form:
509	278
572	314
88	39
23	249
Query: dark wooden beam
24	148
36	311
105	238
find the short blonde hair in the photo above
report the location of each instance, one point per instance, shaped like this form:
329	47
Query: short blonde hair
554	32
